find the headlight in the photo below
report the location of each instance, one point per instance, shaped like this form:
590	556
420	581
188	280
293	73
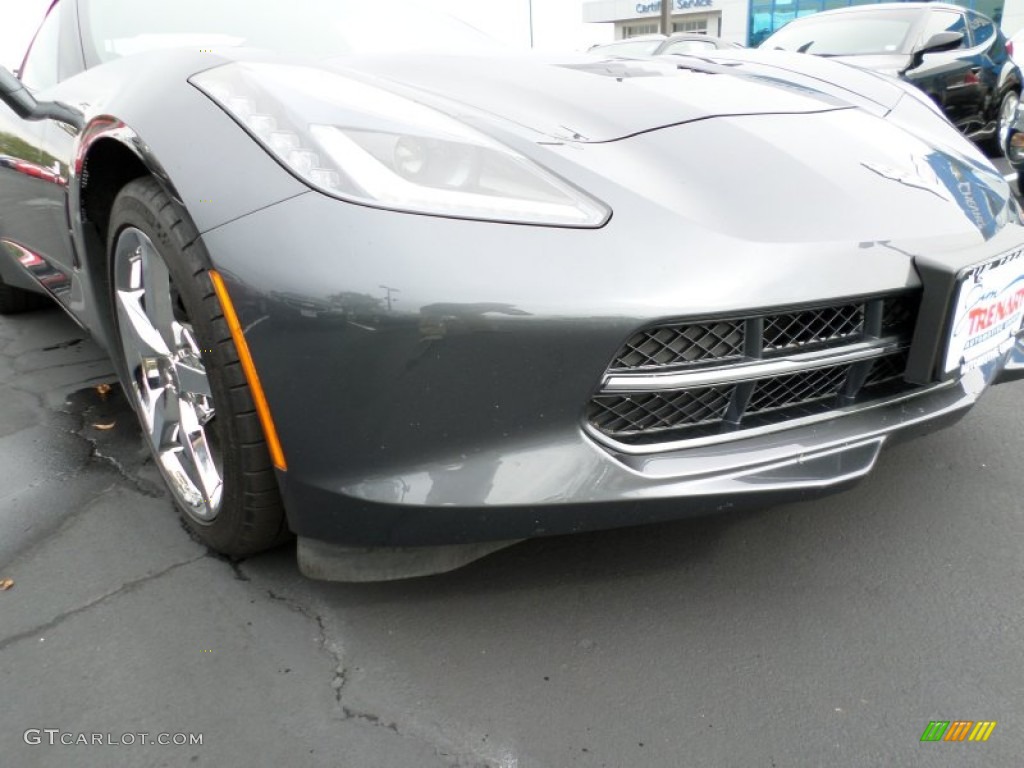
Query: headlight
367	145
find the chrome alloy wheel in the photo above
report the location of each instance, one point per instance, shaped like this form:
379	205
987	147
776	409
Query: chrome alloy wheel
1007	114
168	381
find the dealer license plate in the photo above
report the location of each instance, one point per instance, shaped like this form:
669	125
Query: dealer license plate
989	310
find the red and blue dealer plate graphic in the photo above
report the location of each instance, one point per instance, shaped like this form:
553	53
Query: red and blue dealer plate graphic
988	314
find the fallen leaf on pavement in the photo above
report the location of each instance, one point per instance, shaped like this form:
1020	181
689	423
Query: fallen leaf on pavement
6	584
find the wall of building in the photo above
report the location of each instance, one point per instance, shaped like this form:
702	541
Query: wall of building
1013	19
727	18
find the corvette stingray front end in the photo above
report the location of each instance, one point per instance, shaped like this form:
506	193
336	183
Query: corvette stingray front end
411	307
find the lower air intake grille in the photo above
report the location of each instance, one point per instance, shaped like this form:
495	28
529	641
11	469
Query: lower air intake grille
646	413
818	339
812	327
797	389
674	345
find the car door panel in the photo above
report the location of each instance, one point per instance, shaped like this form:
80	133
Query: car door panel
952	78
22	182
34	210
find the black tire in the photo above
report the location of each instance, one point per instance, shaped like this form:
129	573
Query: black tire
251	515
15	300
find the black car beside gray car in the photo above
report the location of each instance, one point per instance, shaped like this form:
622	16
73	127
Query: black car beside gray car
412	305
959	57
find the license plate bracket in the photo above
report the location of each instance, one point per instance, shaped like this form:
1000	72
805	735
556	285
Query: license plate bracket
987	312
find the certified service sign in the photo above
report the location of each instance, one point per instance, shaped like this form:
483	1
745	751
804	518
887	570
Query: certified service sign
989	309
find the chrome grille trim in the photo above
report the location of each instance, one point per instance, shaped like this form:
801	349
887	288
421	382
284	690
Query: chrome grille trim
751	371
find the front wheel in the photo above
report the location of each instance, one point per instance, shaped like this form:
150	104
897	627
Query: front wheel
181	371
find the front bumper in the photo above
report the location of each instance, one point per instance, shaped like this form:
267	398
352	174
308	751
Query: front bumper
568	484
429	381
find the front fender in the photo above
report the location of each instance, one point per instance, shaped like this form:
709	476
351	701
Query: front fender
146	102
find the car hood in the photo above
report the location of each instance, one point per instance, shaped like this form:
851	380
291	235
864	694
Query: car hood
593	99
749	106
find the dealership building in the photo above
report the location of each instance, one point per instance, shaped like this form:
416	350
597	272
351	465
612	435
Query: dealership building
741	21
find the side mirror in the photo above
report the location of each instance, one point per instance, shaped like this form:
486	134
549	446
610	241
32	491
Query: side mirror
937	43
15	95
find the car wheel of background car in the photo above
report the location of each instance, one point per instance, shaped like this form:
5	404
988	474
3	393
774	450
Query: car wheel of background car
14	300
1005	117
182	373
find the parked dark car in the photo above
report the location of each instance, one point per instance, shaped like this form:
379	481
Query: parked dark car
658	45
958	57
411	306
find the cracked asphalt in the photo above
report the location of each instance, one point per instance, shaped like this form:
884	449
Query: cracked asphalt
814	634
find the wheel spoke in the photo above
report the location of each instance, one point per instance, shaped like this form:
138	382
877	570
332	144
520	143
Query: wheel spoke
138	336
192	378
162	417
157	286
196	458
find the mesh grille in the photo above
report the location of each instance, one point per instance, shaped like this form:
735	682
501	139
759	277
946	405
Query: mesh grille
629	414
676	345
797	388
812	327
697	411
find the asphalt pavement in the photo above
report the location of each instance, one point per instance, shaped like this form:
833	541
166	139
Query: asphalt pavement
815	634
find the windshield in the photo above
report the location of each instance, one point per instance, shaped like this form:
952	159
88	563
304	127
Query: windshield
847	34
317	28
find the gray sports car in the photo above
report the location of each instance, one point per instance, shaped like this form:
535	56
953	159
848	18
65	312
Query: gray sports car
413	306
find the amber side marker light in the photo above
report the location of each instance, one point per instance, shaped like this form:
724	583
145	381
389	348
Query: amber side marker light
245	358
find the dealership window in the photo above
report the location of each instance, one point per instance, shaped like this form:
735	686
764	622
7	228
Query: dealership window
766	16
699	27
632	30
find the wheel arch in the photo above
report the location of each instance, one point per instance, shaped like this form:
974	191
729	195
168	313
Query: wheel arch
1009	80
109	155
